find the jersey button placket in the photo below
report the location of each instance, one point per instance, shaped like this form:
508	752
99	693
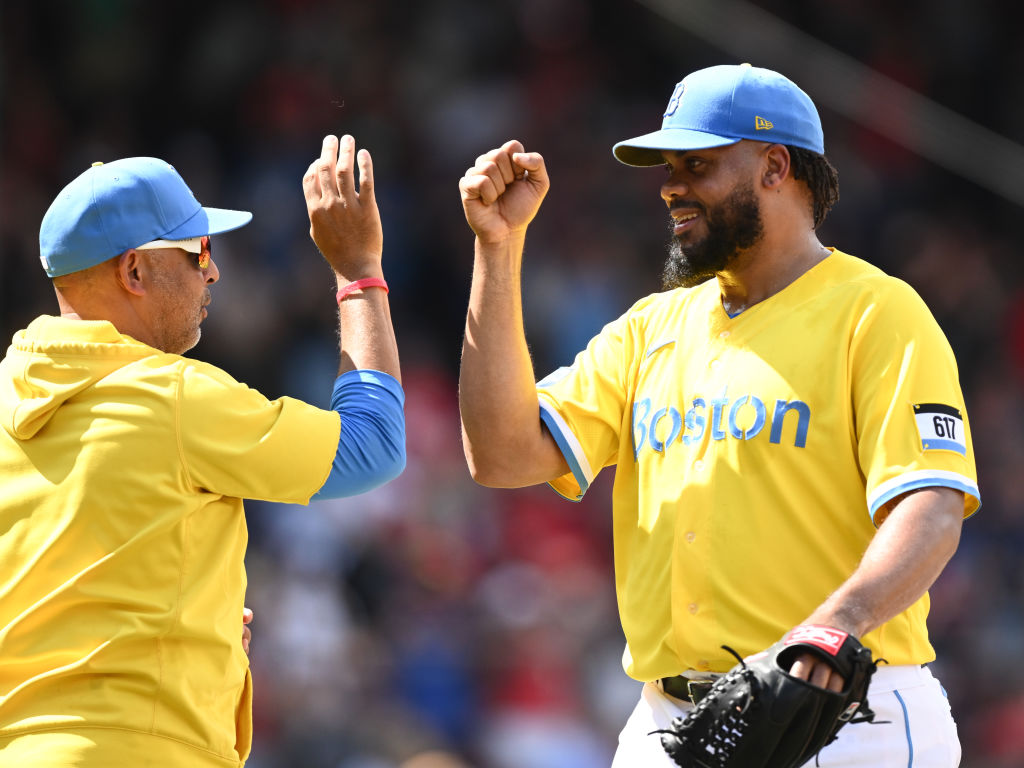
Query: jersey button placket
717	347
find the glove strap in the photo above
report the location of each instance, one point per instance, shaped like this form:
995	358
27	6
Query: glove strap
828	639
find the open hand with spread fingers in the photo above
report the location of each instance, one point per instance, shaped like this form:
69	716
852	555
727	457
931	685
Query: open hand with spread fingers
503	191
344	222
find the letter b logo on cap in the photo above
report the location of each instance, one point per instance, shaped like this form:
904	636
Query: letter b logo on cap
673	103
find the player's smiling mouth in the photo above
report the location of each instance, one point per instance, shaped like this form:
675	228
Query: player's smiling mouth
683	221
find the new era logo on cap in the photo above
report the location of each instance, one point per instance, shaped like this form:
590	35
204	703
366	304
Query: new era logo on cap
760	124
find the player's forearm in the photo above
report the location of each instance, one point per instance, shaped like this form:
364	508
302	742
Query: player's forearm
907	554
367	337
345	225
497	394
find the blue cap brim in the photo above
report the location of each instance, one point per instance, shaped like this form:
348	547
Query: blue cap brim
209	221
646	150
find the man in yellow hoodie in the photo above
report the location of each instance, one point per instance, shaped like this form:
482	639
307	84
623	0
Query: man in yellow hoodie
123	467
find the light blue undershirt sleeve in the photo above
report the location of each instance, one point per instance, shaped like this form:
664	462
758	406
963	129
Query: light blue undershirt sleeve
371	447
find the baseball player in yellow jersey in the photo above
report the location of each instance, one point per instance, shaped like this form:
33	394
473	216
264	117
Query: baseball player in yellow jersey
124	464
788	433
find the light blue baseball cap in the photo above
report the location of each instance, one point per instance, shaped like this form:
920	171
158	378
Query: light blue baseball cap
721	105
120	205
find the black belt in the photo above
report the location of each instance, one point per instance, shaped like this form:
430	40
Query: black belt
686	689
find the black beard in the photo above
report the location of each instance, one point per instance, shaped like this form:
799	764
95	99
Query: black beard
733	226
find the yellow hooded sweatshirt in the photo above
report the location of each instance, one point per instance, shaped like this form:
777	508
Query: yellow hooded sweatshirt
122	539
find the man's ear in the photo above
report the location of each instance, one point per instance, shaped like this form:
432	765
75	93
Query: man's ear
777	166
131	269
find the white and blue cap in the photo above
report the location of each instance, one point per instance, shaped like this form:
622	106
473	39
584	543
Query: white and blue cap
115	206
721	105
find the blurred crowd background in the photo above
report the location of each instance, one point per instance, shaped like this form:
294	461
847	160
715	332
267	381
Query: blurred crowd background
435	623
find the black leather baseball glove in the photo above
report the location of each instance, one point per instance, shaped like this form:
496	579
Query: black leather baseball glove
759	716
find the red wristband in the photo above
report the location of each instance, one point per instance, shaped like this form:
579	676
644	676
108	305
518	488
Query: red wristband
358	285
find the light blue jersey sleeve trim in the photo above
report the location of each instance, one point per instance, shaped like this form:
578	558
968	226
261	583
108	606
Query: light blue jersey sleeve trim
371	446
886	492
570	448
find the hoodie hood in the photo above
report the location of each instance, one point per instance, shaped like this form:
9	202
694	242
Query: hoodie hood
53	360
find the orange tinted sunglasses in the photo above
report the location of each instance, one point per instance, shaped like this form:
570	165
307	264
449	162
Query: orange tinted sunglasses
189	244
205	253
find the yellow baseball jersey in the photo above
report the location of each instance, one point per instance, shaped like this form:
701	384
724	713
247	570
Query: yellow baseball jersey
752	453
122	538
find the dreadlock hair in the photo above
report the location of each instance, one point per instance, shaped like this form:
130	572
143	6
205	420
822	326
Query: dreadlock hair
821	178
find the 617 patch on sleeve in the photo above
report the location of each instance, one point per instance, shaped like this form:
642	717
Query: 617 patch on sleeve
940	427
